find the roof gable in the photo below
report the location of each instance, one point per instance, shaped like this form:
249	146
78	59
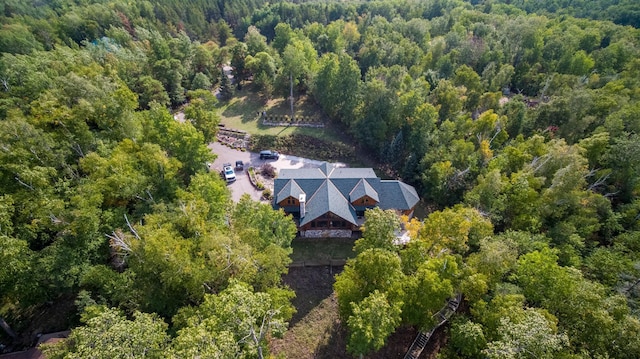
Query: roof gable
326	168
290	189
363	188
328	199
333	189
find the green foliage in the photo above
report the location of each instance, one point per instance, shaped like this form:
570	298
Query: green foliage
226	90
181	140
88	148
200	82
449	230
373	269
373	320
199	112
534	336
236	322
467	338
379	231
109	334
14	275
17	39
266	226
426	292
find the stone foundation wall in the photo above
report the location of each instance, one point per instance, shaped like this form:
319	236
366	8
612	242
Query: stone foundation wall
326	233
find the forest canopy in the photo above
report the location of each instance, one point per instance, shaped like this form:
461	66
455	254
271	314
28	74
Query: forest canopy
518	122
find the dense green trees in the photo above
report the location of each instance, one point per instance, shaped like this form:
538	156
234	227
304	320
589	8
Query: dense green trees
520	130
233	323
108	334
106	197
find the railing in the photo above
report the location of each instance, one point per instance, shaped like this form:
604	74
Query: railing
442	316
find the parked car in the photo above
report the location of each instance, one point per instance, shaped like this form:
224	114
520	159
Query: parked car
239	166
228	173
269	155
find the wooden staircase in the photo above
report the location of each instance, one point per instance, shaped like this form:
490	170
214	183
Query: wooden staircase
442	316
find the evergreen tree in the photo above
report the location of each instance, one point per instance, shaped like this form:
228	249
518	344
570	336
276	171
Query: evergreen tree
226	90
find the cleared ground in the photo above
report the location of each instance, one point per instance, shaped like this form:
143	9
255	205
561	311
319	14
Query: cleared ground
242	184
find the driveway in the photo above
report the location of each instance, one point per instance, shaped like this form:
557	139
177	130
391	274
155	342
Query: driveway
242	184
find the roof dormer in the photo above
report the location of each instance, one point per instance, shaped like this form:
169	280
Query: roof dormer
363	194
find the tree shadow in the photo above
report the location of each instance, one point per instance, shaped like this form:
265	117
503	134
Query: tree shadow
247	105
336	346
312	285
396	345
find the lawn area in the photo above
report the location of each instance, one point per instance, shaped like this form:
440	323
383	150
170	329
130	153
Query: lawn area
329	143
241	112
321	249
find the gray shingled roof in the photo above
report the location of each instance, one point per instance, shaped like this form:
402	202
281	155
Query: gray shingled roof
290	189
331	189
326	168
345	185
397	195
347	172
363	188
328	199
297	173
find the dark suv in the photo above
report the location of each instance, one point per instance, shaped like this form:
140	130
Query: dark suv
269	155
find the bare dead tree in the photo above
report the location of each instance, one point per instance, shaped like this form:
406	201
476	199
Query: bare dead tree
265	327
120	247
538	162
498	130
35	154
7	329
119	241
149	198
24	184
55	219
599	182
133	230
611	194
76	147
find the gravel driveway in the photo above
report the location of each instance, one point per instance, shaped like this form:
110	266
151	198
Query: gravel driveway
242	185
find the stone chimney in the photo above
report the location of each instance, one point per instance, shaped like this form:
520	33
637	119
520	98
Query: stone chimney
302	198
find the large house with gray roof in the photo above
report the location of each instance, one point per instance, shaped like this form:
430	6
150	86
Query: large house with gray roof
330	201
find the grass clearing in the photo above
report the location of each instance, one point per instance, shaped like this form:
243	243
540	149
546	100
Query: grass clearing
329	143
321	249
241	112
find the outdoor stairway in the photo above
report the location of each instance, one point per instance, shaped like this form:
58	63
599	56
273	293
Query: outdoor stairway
443	315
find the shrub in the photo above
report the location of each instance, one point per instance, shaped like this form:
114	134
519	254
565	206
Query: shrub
266	193
259	185
267	170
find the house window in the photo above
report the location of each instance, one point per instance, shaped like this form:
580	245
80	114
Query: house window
322	224
366	200
338	224
360	213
